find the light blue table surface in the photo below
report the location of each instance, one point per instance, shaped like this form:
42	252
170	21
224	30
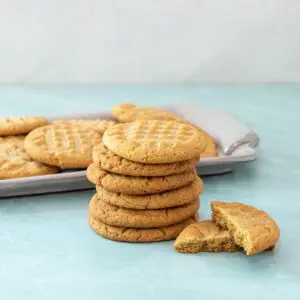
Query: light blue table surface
47	250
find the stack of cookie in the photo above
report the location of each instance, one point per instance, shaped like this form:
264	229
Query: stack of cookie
147	187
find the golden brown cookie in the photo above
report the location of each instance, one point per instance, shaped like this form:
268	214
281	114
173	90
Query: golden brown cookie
16	163
98	125
111	162
65	146
138	235
167	199
116	216
137	185
20	125
252	229
205	236
210	149
129	112
155	142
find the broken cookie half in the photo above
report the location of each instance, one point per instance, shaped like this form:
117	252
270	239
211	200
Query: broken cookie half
205	236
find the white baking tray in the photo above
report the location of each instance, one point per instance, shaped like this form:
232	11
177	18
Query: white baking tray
236	144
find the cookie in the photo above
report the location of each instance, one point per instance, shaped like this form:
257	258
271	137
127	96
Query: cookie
155	142
20	125
111	162
204	236
138	235
252	229
210	149
129	112
167	199
16	163
98	125
137	185
65	146
116	216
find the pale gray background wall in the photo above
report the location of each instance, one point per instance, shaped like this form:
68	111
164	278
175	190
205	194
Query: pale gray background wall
153	41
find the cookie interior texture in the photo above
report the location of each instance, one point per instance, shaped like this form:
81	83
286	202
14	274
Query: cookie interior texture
252	229
204	236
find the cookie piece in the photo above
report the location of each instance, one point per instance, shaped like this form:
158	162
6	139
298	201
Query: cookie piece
65	146
20	125
252	229
138	235
129	112
210	149
98	125
137	185
116	216
204	236
112	162
168	199
155	142
16	163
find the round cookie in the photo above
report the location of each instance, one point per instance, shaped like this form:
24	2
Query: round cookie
20	125
112	162
168	199
155	142
65	146
137	185
116	216
139	235
98	125
129	112
16	163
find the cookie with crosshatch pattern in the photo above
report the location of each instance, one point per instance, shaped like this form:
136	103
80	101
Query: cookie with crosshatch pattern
20	125
98	125
129	112
155	141
62	145
16	163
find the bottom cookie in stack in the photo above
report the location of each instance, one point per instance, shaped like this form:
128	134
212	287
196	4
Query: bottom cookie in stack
128	225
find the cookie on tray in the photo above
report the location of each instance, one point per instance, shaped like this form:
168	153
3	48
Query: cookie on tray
16	163
20	125
129	112
98	125
62	145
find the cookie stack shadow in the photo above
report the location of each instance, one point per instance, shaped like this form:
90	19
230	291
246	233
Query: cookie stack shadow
138	202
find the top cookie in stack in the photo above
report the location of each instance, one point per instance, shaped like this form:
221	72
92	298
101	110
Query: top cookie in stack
147	187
